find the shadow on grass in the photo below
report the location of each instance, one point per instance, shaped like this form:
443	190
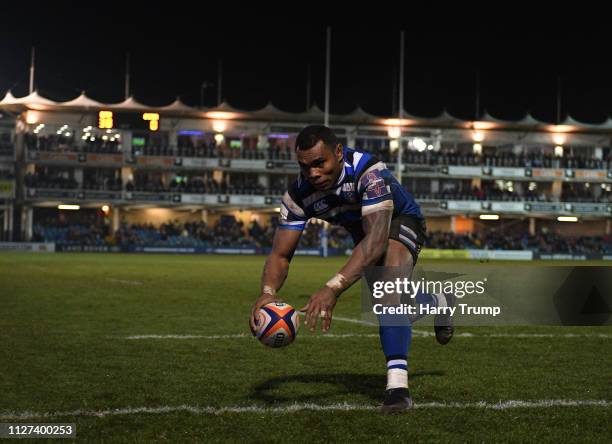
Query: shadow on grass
371	386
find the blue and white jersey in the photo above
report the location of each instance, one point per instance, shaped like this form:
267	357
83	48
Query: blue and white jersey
364	186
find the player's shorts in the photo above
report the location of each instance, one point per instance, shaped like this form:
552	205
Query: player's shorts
410	231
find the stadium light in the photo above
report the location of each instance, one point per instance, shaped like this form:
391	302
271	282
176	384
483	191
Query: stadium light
419	144
68	207
478	136
559	139
222	115
219	126
489	217
561	128
567	219
32	117
394	132
484	125
105	209
397	122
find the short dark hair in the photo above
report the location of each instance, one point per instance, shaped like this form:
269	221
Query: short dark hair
311	135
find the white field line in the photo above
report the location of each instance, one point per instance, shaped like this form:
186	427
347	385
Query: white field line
246	335
293	408
417	334
354	321
230	336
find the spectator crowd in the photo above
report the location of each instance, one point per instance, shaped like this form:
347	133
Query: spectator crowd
233	233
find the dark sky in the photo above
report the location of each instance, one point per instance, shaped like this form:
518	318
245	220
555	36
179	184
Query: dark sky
266	54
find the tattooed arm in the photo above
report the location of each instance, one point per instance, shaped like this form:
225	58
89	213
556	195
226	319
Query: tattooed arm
367	252
370	249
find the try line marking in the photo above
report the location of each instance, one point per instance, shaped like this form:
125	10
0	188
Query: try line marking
294	408
415	333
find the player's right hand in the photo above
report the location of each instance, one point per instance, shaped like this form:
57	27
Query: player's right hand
262	300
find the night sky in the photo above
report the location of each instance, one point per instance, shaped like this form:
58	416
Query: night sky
266	58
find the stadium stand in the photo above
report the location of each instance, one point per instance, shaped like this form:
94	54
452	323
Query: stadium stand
229	232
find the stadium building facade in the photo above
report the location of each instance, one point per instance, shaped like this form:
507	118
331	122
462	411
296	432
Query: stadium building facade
132	164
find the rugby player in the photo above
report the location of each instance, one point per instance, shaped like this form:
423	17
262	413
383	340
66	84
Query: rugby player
353	189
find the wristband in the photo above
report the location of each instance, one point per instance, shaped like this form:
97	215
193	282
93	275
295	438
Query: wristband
337	283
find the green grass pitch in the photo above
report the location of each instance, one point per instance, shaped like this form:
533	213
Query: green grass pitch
65	320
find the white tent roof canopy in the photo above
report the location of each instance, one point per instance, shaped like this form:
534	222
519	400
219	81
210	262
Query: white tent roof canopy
128	104
178	105
33	101
83	101
359	116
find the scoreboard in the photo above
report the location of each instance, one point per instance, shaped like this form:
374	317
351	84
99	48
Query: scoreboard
127	120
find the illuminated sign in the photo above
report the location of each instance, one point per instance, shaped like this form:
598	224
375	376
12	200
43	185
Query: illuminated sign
153	119
105	119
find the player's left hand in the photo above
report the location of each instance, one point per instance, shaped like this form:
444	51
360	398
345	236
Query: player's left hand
321	304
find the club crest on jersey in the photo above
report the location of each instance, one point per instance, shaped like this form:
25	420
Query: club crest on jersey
375	184
320	206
